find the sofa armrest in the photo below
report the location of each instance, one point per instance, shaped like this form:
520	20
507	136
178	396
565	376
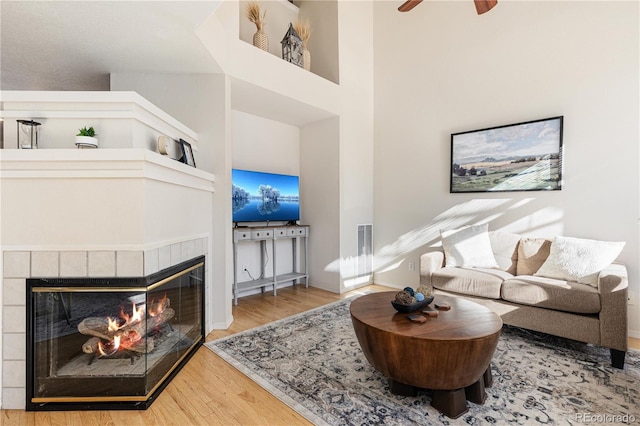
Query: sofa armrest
612	286
429	263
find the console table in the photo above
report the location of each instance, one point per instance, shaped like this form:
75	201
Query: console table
264	235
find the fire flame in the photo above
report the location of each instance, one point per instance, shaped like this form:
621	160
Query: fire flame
109	348
158	308
124	336
137	314
113	324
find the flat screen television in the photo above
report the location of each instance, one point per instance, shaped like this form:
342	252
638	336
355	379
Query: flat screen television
264	197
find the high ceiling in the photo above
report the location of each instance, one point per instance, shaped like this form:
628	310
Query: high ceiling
75	45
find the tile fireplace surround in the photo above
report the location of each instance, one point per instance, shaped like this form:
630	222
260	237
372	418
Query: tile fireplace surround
20	265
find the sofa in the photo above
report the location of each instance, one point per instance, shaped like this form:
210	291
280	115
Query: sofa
567	287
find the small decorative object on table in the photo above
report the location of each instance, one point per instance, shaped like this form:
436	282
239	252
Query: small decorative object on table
86	138
410	300
443	306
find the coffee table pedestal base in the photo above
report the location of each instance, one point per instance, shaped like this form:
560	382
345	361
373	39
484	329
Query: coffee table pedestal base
451	403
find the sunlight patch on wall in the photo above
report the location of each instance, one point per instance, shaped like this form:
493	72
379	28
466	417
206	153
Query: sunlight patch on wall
519	216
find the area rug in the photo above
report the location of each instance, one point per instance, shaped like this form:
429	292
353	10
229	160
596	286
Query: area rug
314	364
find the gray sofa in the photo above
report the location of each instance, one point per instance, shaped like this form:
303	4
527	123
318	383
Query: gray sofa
572	310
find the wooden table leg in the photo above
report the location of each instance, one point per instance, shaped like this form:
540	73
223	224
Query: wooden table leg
475	392
451	403
402	389
488	377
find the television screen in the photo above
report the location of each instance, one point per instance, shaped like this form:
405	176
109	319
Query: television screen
262	197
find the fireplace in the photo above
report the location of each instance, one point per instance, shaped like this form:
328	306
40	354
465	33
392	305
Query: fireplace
111	343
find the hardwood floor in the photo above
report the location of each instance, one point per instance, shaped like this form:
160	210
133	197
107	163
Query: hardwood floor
208	391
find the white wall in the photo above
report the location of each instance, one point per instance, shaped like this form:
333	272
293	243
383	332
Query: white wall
265	145
355	23
442	69
320	166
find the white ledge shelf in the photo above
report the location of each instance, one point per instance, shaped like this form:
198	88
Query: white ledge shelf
121	119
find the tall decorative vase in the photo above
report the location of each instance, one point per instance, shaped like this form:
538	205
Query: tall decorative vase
261	41
306	59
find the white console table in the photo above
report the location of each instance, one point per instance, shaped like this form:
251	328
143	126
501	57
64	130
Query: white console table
264	235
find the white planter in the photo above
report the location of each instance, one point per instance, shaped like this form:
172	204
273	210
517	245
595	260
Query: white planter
86	142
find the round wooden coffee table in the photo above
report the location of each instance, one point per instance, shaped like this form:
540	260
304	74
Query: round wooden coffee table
450	353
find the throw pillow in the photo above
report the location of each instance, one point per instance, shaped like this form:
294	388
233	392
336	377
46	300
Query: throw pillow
468	247
532	252
577	259
504	246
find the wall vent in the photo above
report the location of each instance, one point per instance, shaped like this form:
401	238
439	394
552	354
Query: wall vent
365	250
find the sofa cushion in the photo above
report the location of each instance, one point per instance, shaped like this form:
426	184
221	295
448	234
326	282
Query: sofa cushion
532	252
551	293
483	282
578	259
468	247
505	249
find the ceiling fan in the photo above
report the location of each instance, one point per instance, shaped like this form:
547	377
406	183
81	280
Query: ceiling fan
482	6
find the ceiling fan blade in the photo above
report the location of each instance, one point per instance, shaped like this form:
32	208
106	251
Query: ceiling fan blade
483	6
408	5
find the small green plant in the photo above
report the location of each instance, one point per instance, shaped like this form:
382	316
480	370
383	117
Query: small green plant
87	132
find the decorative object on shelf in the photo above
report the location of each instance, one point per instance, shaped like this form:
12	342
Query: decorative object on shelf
187	153
516	157
164	144
86	138
292	46
256	16
303	28
28	133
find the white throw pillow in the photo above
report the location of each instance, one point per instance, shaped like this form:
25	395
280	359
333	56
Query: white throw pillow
577	259
468	247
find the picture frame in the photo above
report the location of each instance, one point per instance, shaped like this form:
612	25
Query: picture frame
187	153
524	156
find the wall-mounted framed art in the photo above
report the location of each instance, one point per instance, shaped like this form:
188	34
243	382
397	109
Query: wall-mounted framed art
524	156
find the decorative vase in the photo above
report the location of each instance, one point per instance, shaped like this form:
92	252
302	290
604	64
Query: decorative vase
306	59
86	142
261	41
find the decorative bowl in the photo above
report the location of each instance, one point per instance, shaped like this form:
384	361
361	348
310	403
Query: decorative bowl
405	309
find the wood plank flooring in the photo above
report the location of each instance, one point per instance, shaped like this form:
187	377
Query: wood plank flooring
208	391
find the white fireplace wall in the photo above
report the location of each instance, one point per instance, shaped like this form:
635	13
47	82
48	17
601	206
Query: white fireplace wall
20	265
107	212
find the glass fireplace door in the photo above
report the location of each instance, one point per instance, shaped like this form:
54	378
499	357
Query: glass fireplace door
111	340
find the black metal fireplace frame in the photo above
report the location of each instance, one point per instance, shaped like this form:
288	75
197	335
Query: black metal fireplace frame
100	403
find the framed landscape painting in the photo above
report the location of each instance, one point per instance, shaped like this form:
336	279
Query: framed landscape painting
516	157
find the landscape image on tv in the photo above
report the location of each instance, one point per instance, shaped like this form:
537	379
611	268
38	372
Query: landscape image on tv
517	157
263	197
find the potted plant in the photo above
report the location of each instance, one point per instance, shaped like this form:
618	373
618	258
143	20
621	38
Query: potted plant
86	138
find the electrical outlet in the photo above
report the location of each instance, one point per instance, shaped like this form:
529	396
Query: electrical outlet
412	266
631	297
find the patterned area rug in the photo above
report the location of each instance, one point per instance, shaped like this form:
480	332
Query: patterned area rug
313	363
